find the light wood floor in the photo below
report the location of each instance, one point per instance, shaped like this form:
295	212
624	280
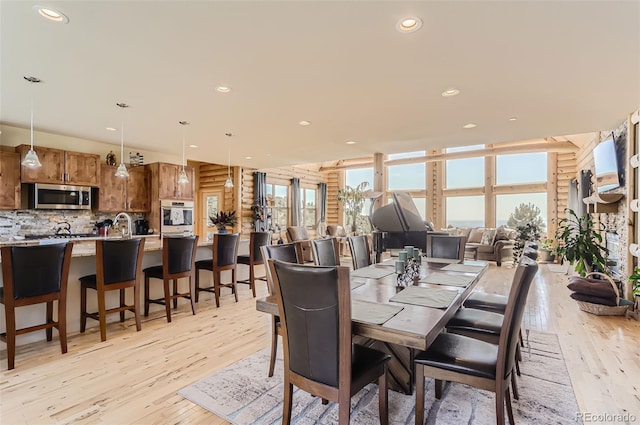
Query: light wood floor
133	377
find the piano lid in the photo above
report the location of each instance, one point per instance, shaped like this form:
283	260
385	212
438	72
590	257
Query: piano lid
400	216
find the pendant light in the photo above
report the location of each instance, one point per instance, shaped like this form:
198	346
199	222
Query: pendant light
228	183
183	179
122	169
31	159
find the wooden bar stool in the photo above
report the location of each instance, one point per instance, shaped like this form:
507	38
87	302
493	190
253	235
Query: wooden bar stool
34	275
118	265
178	260
256	241
225	257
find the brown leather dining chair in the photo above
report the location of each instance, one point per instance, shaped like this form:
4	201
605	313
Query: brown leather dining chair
326	252
301	234
225	257
256	241
290	253
178	261
470	361
34	275
360	251
445	246
314	304
338	232
118	266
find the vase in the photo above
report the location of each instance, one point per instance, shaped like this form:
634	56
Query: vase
223	231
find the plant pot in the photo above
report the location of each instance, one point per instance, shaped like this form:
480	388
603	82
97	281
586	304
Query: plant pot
223	231
545	256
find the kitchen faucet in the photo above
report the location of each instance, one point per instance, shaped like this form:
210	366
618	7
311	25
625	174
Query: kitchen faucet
128	217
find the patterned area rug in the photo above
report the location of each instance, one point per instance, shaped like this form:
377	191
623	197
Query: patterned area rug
243	394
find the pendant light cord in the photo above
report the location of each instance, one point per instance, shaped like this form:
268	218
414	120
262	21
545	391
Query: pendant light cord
32	119
122	142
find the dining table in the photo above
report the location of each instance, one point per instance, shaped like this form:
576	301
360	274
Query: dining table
403	320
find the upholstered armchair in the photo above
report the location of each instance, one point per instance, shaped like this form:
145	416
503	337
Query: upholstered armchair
300	233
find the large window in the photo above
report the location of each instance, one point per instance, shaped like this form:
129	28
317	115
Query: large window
407	177
521	168
465	172
354	177
278	200
465	211
512	210
308	204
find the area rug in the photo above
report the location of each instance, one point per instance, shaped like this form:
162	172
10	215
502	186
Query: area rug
243	394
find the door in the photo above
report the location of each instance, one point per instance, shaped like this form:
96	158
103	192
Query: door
209	203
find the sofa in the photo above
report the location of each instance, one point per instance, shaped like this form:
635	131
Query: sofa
487	244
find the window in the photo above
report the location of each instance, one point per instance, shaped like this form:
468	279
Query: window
467	172
308	204
354	177
465	211
278	200
407	177
406	155
521	168
522	207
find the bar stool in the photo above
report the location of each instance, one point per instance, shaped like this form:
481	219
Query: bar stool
178	260
34	275
118	265
256	241
225	257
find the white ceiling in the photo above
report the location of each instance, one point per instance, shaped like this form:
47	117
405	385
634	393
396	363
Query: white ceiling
561	67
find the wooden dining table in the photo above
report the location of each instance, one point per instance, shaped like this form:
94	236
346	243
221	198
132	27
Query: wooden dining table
412	329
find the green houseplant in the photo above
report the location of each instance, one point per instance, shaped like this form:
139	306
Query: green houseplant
222	220
580	244
634	279
353	200
547	250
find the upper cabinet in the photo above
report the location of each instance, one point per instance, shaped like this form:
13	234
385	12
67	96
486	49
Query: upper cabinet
9	180
61	167
129	194
164	177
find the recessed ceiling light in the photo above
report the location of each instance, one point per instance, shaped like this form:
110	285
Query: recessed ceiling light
513	119
470	125
223	89
350	142
111	129
304	122
51	14
450	92
193	146
409	24
248	157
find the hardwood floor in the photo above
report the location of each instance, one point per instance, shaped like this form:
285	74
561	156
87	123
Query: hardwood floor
133	377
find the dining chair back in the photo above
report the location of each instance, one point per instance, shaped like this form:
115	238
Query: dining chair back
178	261
314	304
360	251
445	246
118	266
34	275
326	252
224	257
256	241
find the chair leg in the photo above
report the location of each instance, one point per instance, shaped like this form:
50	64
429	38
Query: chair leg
288	399
324	401
344	407
146	295
10	317
122	304
514	386
438	387
234	283
274	346
62	325
197	285
175	291
507	398
216	287
83	308
252	280
383	398
419	378
518	354
136	306
102	315
192	292
500	394
49	331
167	300
517	367
520	336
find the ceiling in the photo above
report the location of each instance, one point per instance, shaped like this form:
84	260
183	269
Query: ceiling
560	67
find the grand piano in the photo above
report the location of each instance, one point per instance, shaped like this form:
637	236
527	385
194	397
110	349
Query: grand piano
398	224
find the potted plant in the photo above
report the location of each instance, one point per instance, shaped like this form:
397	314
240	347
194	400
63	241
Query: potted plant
634	279
222	220
526	232
546	250
353	200
580	244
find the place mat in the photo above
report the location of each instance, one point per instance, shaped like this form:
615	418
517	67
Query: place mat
356	284
436	278
467	268
426	297
387	263
372	272
441	260
370	312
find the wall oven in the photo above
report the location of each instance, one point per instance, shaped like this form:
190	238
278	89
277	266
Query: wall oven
59	197
176	218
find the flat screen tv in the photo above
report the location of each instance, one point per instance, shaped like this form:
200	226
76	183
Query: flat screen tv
607	169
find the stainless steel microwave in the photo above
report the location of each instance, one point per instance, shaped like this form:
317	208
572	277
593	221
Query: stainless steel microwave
59	197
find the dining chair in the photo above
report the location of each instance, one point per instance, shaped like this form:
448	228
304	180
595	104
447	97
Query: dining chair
326	252
445	246
256	241
301	234
360	251
290	253
470	361
338	232
118	266
34	275
225	257
314	304
178	261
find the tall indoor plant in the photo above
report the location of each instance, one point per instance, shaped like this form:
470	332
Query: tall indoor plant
580	243
353	200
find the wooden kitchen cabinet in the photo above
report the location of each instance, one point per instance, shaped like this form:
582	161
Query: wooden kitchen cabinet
9	180
129	194
165	177
61	167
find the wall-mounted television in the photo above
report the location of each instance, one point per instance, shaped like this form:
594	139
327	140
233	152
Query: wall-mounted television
607	158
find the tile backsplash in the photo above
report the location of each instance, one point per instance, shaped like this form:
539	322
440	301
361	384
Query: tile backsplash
42	222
